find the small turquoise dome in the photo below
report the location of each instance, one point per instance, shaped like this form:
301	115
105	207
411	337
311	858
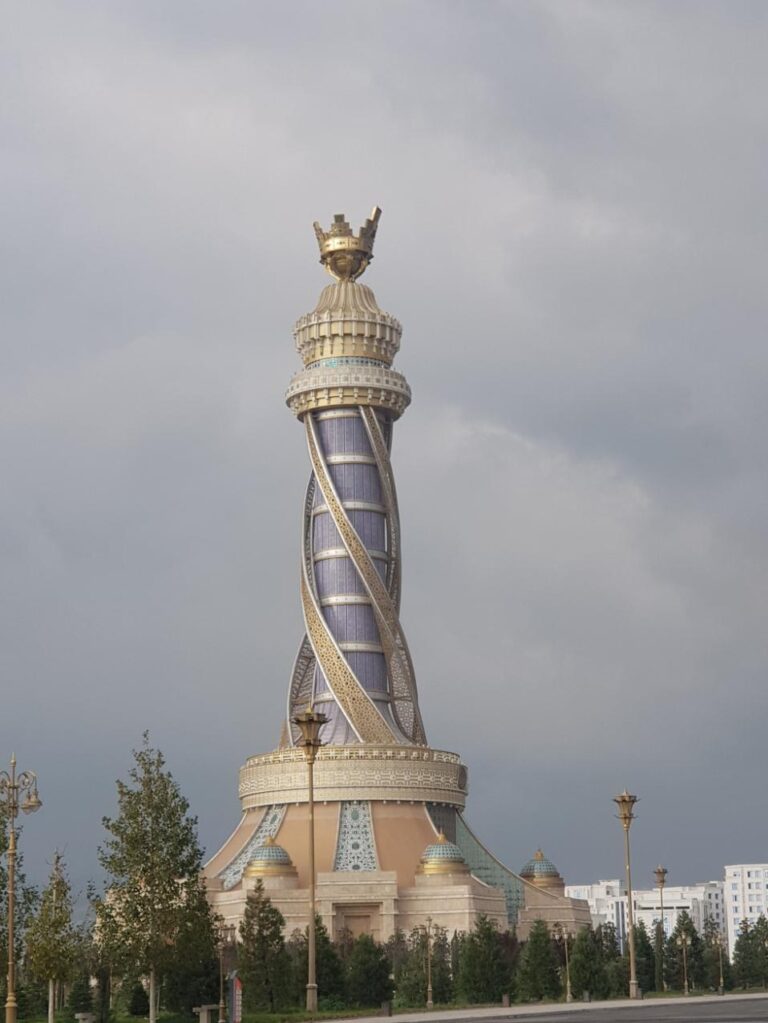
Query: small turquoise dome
269	858
539	866
270	852
442	857
443	851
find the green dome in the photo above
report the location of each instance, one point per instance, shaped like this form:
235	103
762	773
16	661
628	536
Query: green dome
539	866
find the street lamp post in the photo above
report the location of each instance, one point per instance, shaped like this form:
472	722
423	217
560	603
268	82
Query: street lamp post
226	936
310	723
660	874
562	935
684	942
626	804
430	1003
12	788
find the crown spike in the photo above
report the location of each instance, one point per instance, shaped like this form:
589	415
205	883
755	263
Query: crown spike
344	254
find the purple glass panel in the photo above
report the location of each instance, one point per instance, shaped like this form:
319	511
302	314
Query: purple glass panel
355	622
337	575
353	481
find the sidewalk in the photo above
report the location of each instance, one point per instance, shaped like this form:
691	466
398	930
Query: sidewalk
533	1010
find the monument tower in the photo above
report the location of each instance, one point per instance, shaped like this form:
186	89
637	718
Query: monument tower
392	846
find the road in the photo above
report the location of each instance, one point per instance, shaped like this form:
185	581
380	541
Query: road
707	1009
726	1010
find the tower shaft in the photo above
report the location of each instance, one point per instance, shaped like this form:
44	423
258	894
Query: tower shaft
353	662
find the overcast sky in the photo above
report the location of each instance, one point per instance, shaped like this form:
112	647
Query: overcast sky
574	238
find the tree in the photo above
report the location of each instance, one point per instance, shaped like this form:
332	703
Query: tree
658	956
537	976
745	962
262	959
616	965
397	953
80	997
457	947
714	953
750	953
328	967
411	977
155	891
483	971
92	951
588	971
191	975
674	963
138	1003
645	958
760	940
442	979
51	940
368	981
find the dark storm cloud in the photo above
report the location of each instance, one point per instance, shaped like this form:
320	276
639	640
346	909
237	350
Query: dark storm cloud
574	238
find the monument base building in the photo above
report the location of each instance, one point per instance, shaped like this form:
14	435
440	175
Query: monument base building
392	847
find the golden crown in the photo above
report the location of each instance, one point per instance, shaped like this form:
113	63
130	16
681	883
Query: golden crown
343	254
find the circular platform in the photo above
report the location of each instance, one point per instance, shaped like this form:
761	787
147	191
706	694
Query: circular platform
366	772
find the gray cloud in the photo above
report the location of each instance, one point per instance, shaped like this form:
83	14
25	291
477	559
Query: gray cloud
574	238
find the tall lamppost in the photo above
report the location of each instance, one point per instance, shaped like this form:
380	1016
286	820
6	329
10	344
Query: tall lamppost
428	931
660	873
225	934
626	804
561	935
683	941
12	788
310	723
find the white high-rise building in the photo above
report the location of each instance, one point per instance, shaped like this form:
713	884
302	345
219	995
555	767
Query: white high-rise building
608	904
745	895
701	901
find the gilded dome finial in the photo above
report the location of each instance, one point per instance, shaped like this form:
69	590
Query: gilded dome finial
343	254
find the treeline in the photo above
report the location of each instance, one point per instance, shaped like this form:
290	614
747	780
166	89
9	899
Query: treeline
476	968
361	973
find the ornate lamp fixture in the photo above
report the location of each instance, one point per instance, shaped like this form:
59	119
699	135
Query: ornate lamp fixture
12	788
625	802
